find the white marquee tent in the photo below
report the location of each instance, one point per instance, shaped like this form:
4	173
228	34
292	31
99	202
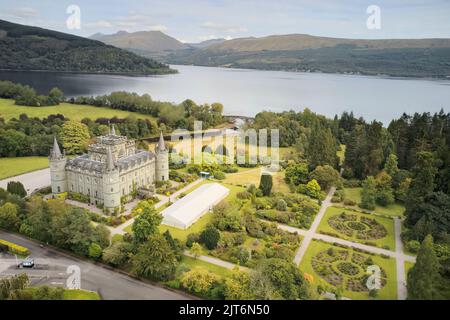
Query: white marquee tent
186	211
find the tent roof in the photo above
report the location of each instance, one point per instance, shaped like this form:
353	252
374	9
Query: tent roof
191	207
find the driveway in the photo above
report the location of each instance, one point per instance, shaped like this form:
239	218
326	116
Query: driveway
109	284
31	181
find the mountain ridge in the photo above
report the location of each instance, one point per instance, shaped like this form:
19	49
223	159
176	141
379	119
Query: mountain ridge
25	47
306	53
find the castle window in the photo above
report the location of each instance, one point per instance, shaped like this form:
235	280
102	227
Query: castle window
59	189
96	193
89	191
123	191
112	189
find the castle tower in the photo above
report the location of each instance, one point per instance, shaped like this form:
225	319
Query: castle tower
162	160
58	176
111	183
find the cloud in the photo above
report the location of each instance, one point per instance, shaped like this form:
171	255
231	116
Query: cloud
158	27
132	22
222	27
212	37
21	13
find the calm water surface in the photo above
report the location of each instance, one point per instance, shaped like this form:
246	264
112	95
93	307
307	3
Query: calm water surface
246	92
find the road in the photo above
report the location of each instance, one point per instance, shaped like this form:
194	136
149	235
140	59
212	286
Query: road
109	284
31	181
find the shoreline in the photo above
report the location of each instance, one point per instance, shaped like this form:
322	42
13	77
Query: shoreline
130	74
373	76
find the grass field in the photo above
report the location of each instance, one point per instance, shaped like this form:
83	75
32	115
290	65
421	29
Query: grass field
394	210
182	234
10	167
9	110
244	177
408	266
389	240
387	292
194	263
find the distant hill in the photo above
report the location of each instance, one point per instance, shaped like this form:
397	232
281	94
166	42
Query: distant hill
32	48
206	43
144	43
299	52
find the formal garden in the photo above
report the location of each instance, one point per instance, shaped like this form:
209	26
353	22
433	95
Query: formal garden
359	227
343	271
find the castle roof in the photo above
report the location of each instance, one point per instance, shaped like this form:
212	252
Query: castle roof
85	163
135	159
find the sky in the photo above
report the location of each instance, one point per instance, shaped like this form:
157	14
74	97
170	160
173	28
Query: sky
199	20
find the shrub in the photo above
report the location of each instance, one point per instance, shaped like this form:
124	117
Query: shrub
191	238
16	187
349	202
265	184
244	195
95	251
210	237
413	246
199	281
281	205
78	197
219	175
240	255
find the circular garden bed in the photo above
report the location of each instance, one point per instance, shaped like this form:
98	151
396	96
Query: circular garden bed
346	268
352	225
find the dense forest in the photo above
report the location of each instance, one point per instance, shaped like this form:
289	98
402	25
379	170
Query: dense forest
31	48
407	162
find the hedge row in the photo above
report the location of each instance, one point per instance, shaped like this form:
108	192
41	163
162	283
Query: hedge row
14	248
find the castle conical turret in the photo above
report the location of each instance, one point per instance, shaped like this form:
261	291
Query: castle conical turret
57	169
111	183
56	152
161	144
162	160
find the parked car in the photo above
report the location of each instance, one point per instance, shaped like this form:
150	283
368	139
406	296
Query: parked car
27	263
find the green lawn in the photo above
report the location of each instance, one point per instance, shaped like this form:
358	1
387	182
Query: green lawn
244	178
10	167
279	185
395	210
408	266
9	110
80	295
387	292
388	240
193	263
182	234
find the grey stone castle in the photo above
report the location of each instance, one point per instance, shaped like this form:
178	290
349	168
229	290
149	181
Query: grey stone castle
113	168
